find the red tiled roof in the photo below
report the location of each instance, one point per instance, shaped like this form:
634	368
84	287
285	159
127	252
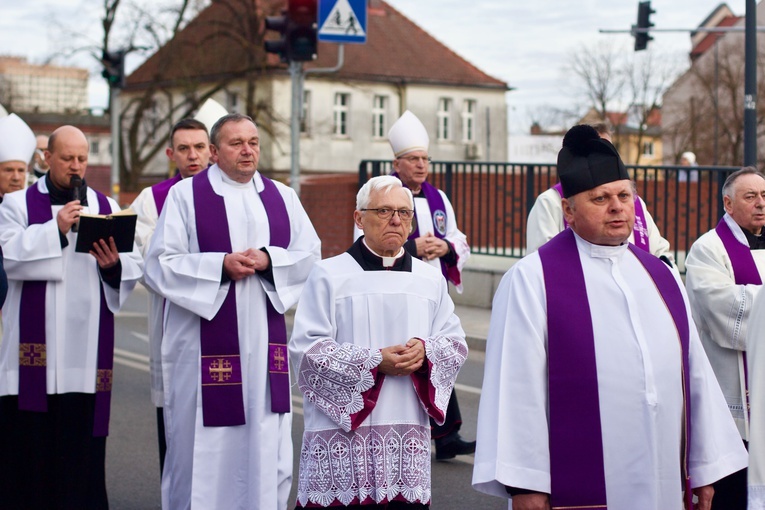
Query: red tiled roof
708	41
397	50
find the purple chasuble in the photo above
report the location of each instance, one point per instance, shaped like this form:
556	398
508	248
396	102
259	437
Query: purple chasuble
639	229
32	341
439	217
221	372
744	273
161	190
576	446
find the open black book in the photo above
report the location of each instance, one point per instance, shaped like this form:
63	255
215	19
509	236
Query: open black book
119	225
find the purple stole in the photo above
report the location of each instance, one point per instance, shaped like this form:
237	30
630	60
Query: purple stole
745	272
438	215
576	447
222	398
161	190
639	229
32	341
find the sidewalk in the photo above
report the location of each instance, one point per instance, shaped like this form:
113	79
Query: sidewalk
475	322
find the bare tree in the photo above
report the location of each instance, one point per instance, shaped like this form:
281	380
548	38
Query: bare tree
599	74
647	77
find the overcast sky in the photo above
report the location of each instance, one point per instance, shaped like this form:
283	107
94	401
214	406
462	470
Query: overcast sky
525	43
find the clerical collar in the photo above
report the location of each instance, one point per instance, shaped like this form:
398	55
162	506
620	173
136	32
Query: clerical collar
599	251
60	196
756	242
370	261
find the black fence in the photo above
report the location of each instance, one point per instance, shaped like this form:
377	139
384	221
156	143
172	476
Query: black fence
492	200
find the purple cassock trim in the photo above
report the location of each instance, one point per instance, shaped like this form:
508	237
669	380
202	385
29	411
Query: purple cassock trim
744	269
576	445
221	369
32	347
673	298
576	448
105	363
439	218
639	230
745	272
161	190
278	368
32	341
222	398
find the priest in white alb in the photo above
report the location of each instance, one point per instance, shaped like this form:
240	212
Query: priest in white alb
546	220
230	254
724	271
189	151
376	348
58	336
597	392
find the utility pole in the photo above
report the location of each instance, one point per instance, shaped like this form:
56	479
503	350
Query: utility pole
750	85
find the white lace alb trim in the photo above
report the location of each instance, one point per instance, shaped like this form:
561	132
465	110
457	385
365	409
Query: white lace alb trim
379	462
333	376
447	356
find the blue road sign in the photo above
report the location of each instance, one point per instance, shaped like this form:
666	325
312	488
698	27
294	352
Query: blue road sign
343	21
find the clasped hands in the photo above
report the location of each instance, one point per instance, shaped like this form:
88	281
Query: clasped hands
241	264
402	359
430	247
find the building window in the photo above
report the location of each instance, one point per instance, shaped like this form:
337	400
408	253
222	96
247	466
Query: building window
341	111
305	114
444	119
379	117
232	101
94	147
468	120
648	149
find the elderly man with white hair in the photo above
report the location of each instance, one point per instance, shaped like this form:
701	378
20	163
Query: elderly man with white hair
376	347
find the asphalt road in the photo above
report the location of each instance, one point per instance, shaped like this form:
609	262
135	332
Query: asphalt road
132	465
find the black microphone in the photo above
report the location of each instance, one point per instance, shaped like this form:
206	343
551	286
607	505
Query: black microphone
75	183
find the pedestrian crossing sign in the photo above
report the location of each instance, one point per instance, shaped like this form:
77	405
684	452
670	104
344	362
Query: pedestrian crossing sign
343	21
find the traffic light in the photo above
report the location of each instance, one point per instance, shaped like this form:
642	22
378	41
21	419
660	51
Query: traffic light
643	22
297	27
278	46
114	68
301	35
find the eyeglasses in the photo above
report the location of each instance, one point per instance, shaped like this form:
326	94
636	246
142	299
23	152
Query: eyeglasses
416	159
385	214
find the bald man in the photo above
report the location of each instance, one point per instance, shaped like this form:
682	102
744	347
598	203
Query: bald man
58	343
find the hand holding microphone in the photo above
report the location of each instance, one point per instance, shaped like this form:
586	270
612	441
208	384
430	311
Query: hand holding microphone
68	216
75	183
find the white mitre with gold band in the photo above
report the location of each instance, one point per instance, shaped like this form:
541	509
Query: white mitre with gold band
408	134
17	141
209	113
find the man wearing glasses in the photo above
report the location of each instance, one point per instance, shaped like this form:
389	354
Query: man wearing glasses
376	347
434	239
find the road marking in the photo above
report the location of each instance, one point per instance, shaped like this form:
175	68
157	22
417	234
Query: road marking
140	336
131	359
468	389
129	315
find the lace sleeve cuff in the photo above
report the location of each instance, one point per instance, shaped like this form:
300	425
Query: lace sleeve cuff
341	380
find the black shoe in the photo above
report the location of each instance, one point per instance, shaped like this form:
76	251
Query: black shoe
453	448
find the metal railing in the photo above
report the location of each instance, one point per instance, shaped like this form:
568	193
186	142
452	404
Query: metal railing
492	200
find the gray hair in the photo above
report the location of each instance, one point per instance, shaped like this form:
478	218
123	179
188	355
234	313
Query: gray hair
231	117
383	184
727	189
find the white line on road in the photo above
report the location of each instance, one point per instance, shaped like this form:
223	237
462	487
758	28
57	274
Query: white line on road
140	336
129	315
